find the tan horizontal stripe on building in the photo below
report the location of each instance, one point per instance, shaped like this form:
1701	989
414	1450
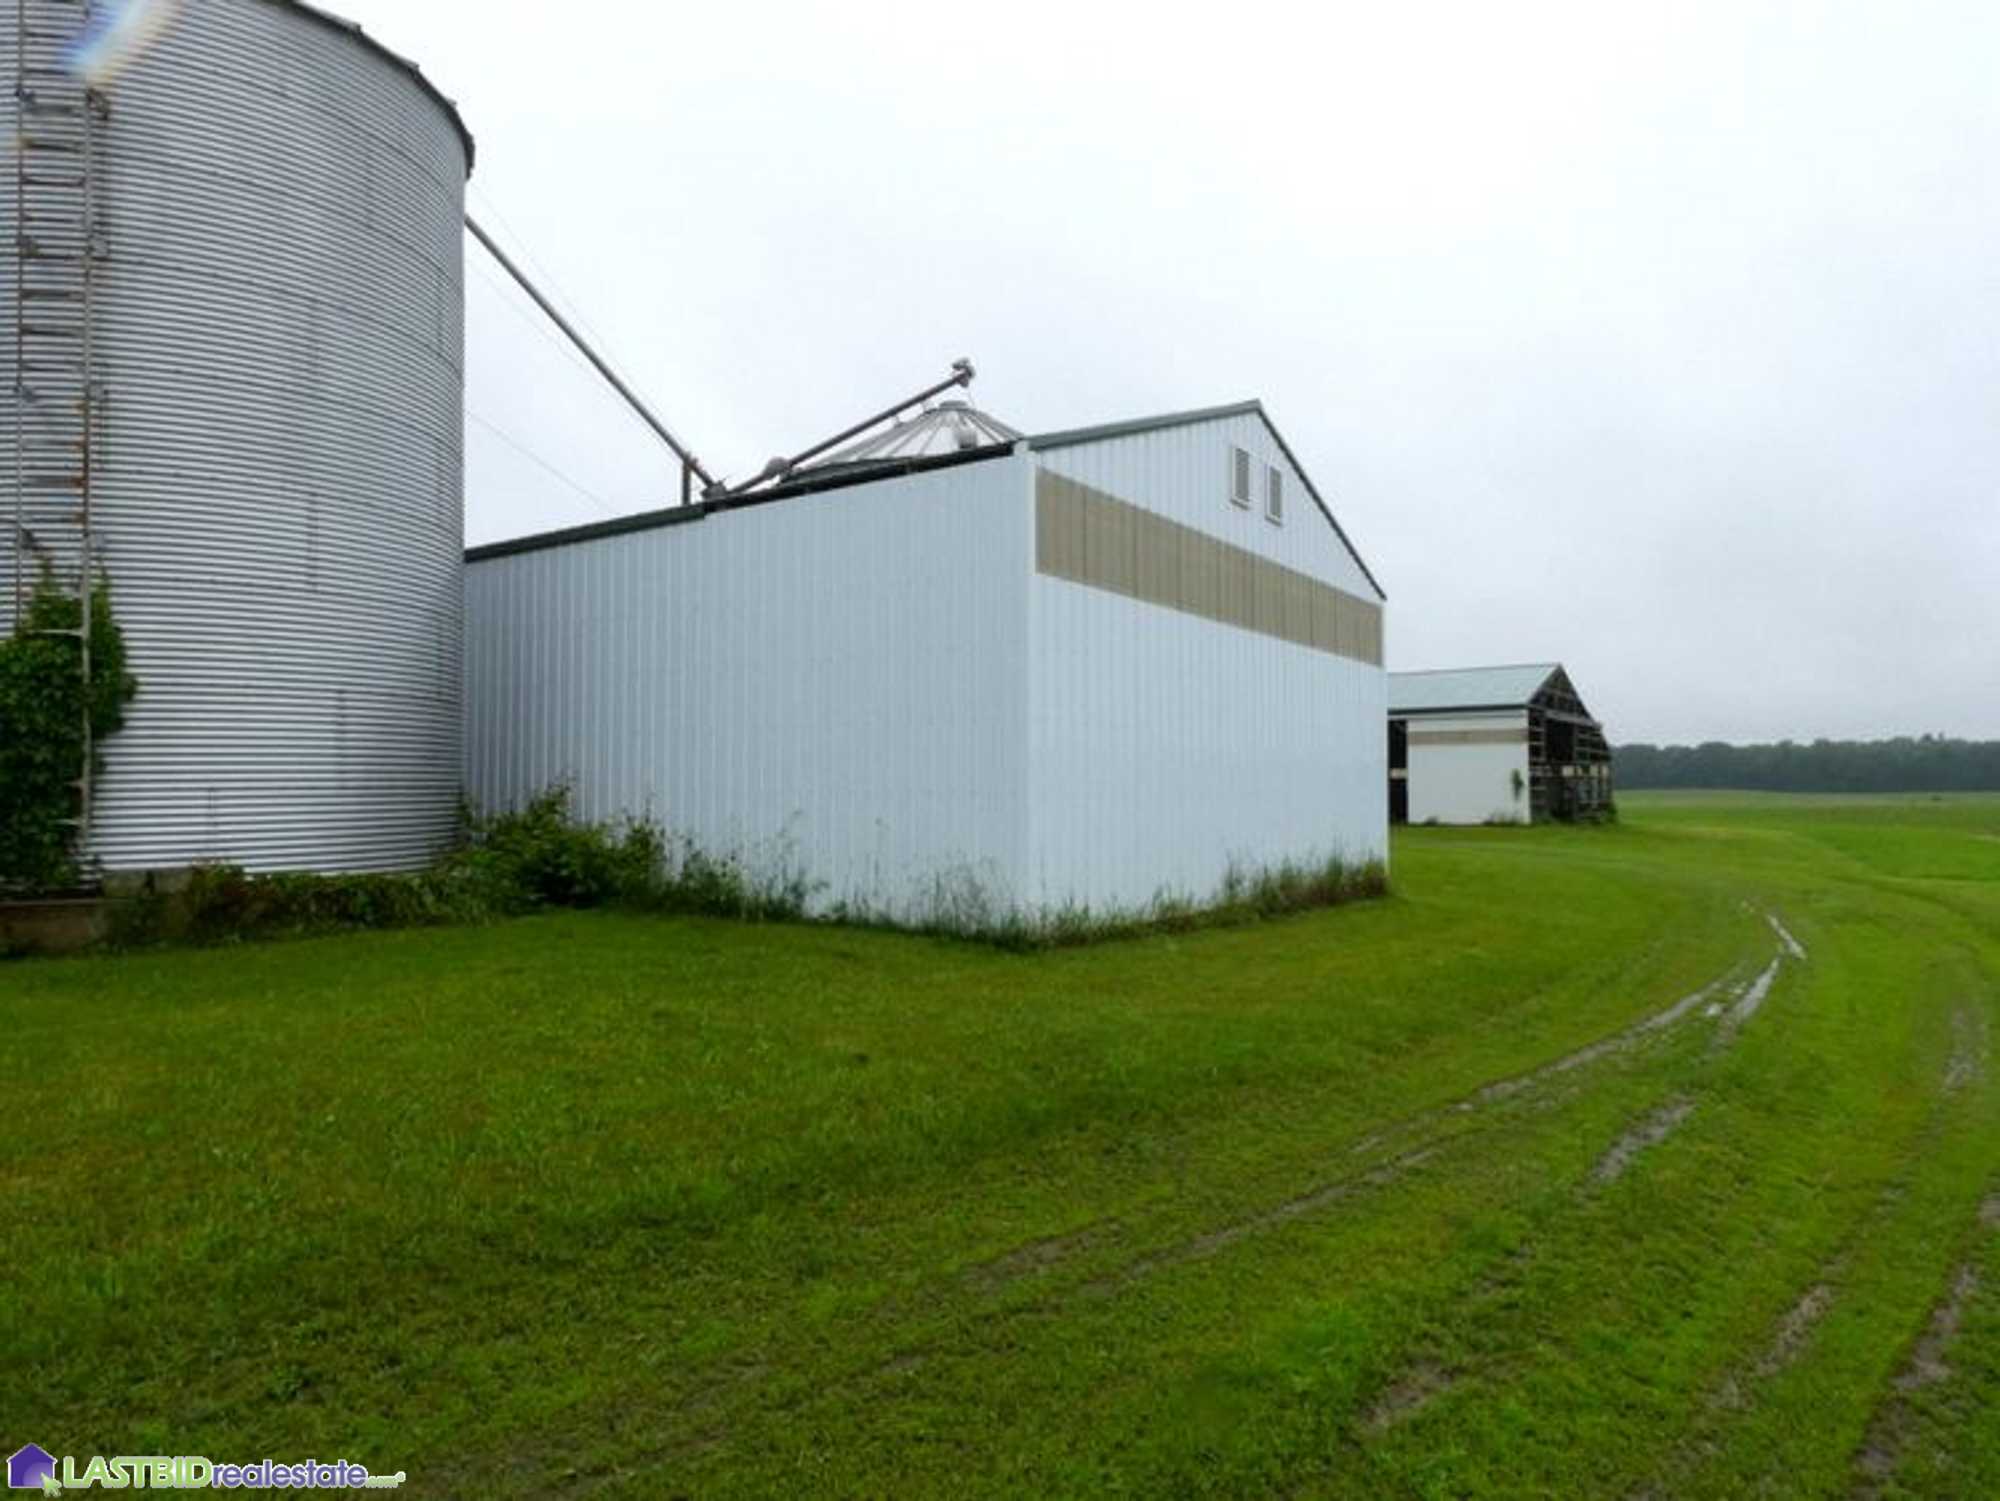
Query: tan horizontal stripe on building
1469	737
1091	538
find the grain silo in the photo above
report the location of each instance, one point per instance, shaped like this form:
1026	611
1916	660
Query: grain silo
235	350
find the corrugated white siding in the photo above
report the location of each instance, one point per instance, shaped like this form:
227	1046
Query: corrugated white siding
833	683
1165	748
875	687
1469	783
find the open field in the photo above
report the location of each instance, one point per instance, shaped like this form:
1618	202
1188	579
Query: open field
1660	1160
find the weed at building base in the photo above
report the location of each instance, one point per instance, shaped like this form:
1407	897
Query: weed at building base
542	858
535	859
1242	897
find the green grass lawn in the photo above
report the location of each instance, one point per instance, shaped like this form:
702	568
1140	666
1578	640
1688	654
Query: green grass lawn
1401	1199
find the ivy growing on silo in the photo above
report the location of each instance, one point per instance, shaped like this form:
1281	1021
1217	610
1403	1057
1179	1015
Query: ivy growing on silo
43	700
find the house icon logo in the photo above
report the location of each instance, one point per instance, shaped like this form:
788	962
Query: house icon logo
31	1468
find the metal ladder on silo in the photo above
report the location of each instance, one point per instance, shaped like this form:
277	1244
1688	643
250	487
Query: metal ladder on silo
59	241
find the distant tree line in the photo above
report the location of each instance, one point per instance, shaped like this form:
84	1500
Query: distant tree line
1928	763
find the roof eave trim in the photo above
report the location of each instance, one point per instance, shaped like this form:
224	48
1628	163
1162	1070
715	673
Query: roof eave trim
1523	708
1071	437
1396	712
671	516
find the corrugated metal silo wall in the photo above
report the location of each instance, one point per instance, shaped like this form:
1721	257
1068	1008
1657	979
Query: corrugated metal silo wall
278	485
830	685
1167	747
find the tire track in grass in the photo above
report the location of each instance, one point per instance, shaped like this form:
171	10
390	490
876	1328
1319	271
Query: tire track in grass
1969	1048
1729	1002
1793	948
1034	1257
707	1429
1043	1255
1619	1042
1928	1365
1201	1247
1795	1329
990	1277
995	1275
1650	1132
1430	1376
1037	1257
1793	1334
1419	1386
1748	1003
1514	1087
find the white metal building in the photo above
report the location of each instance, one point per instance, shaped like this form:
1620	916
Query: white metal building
1091	667
1493	745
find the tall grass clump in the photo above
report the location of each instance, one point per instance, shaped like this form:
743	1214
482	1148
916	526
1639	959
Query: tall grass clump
537	858
964	909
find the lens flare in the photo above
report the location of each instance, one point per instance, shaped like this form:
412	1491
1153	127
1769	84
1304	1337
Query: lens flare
118	37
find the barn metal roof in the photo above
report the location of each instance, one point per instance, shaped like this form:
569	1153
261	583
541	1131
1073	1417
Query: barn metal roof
1469	688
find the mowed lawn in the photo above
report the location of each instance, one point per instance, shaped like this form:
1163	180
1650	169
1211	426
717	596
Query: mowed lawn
1659	1161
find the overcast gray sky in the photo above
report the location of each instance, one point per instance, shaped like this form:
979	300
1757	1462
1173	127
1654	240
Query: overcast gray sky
1657	338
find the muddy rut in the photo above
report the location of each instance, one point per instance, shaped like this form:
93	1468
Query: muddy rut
1928	1365
1730	1003
1795	1330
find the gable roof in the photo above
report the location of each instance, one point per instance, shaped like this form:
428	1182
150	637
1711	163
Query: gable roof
1076	436
1511	687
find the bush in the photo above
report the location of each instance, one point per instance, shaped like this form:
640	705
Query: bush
43	701
542	857
225	904
505	866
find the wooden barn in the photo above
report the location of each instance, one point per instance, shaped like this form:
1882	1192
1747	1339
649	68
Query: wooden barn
1494	745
